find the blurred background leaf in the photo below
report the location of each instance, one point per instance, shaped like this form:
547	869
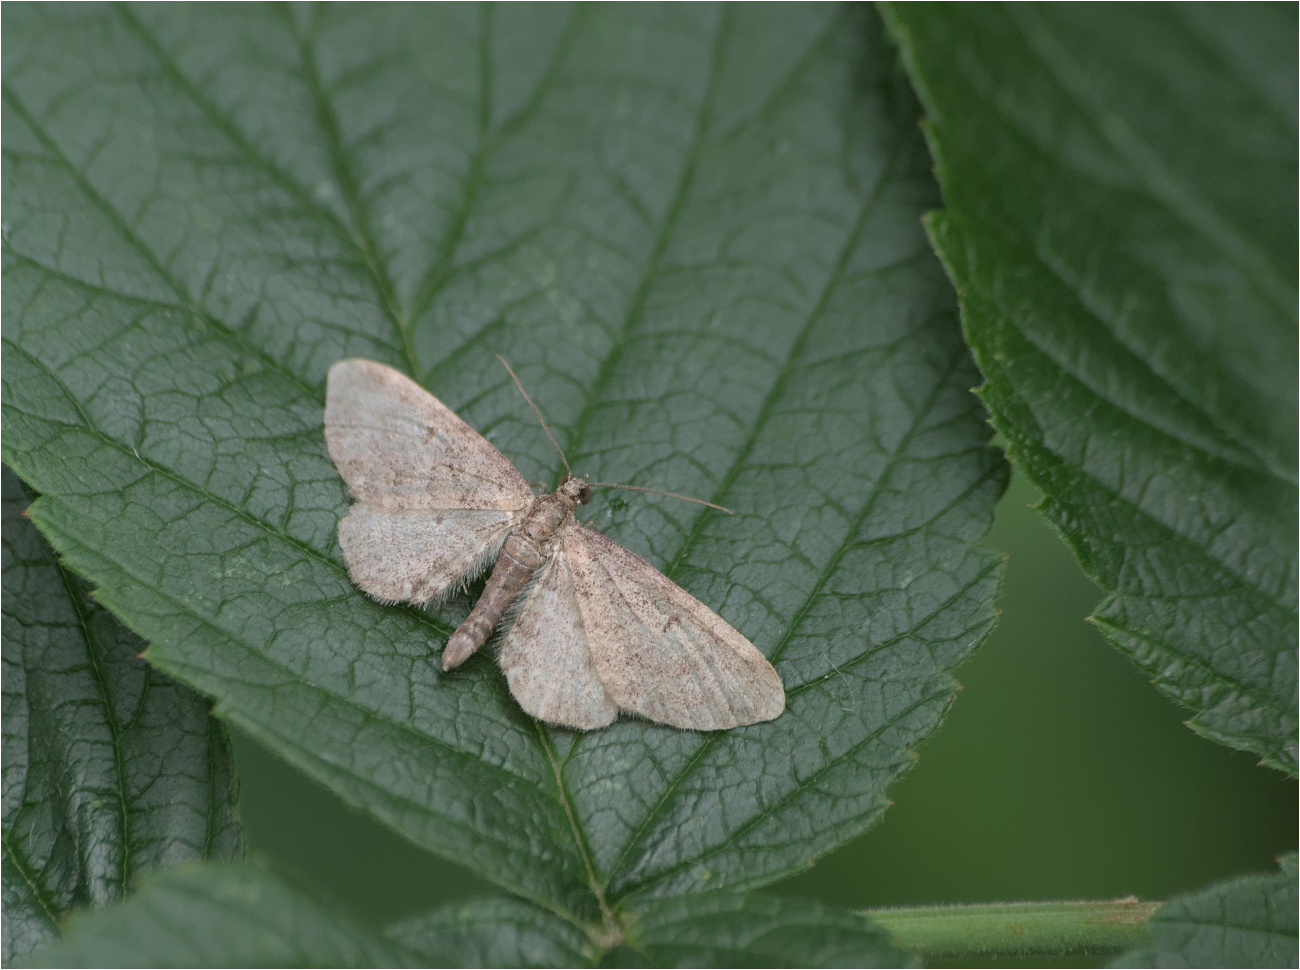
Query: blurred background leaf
1120	189
111	769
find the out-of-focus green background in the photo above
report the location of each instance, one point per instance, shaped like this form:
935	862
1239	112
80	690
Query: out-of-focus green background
1060	773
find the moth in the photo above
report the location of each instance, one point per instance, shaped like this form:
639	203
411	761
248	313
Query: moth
590	628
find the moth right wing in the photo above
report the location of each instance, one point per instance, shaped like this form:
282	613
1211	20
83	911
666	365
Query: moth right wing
435	501
658	651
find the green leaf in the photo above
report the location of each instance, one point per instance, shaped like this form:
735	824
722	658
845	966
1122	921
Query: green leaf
1120	223
232	915
110	768
695	232
1245	922
496	933
725	930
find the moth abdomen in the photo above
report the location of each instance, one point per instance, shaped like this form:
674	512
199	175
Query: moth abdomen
524	553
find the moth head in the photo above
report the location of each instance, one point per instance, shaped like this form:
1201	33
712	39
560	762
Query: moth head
576	489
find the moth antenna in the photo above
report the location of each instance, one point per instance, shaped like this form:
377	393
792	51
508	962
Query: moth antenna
660	491
567	469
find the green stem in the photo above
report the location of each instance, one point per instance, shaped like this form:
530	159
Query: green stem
1006	929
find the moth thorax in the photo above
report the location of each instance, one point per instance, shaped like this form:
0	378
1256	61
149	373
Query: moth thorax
547	514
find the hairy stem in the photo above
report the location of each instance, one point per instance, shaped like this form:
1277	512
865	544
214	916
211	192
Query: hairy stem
1006	929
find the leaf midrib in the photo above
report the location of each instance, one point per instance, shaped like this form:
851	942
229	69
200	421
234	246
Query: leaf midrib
635	311
110	718
636	308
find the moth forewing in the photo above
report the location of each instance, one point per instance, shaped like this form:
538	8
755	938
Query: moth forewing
595	629
399	447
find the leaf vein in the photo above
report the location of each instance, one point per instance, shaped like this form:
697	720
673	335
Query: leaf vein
119	223
771	811
19	862
348	185
681	193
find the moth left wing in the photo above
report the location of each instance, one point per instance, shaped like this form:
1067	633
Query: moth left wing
545	658
419	555
660	652
398	446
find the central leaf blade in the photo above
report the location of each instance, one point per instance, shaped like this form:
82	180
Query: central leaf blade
696	233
